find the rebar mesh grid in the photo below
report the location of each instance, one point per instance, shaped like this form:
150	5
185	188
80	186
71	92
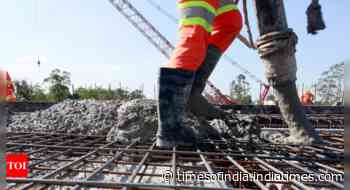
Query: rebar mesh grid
65	161
320	120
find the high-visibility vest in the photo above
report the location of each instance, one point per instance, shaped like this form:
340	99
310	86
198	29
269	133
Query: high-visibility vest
307	98
6	88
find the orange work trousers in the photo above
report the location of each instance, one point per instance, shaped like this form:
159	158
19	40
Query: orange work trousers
204	22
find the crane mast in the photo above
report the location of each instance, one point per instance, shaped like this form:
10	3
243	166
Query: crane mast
144	26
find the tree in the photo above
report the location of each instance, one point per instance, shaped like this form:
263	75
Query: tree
330	86
23	90
121	94
59	82
100	93
240	90
39	94
58	90
136	94
29	92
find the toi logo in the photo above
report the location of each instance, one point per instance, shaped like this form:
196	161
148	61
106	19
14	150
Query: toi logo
17	165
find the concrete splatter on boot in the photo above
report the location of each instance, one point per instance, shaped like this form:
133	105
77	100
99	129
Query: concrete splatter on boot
197	104
174	90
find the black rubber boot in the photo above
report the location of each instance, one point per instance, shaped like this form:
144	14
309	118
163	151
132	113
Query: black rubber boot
197	104
174	90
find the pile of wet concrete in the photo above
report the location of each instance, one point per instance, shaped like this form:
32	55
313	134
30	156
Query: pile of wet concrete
123	121
88	117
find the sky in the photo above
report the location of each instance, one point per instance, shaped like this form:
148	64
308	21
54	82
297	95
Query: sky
98	46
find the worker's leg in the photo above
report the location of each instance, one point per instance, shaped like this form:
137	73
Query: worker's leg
227	25
195	26
175	81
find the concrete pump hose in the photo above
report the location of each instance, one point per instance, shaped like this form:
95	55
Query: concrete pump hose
279	48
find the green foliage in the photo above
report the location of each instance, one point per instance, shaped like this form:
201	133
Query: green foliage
99	93
330	86
58	90
59	82
240	90
121	94
24	91
28	92
136	94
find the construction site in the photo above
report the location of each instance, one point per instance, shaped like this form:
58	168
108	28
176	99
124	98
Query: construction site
71	160
116	144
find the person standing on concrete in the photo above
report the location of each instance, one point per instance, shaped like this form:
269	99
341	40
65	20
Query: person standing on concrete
207	29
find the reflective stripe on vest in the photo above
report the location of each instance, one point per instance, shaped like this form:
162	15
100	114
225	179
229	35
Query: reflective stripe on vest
225	6
197	13
200	12
196	21
203	4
